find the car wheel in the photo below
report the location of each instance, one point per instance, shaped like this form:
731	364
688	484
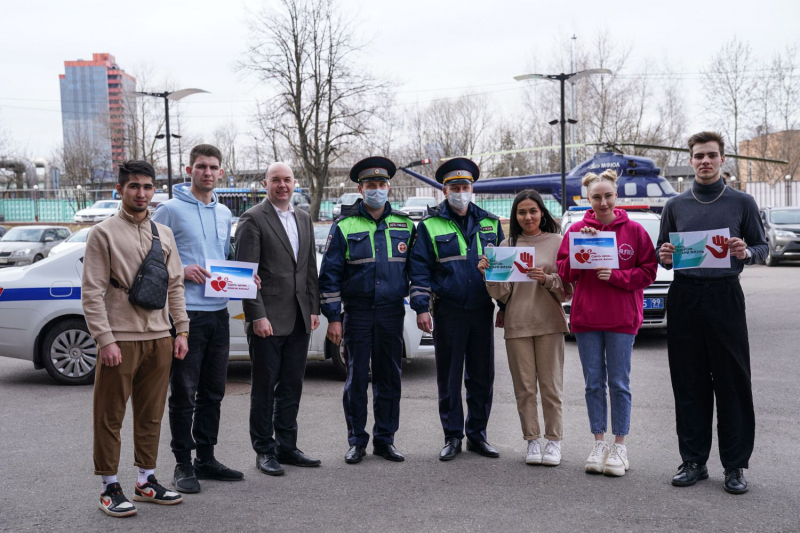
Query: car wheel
69	353
337	356
38	257
770	261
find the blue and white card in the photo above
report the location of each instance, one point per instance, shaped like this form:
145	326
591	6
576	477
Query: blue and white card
231	279
588	252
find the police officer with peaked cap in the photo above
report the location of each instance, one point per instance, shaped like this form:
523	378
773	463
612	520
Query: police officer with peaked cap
364	267
443	265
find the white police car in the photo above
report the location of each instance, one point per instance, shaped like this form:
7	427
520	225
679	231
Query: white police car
41	320
655	296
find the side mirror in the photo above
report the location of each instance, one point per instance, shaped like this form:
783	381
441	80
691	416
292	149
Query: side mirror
48	239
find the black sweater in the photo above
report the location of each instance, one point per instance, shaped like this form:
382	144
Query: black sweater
734	210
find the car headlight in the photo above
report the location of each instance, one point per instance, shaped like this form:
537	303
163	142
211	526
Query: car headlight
783	233
18	253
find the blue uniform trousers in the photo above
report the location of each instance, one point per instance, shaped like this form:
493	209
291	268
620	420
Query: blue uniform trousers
464	342
376	332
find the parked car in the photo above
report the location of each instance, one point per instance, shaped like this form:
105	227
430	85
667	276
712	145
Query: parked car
24	245
655	296
321	232
301	200
346	199
782	226
417	206
99	211
76	239
3	230
41	320
158	198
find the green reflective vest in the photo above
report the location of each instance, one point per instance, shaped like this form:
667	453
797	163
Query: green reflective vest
438	226
394	223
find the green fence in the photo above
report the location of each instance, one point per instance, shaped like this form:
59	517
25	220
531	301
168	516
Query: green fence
502	206
45	210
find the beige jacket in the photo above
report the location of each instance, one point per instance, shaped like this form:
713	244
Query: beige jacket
117	247
532	308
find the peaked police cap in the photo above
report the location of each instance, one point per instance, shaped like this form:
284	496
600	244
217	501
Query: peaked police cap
458	170
373	168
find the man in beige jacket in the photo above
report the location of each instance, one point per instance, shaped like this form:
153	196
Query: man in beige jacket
135	345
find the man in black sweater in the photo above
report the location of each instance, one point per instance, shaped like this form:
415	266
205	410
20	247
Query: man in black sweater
709	354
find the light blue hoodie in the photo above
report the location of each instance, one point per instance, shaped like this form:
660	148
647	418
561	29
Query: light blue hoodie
201	232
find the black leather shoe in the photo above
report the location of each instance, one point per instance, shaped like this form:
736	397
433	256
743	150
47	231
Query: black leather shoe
450	450
185	480
482	448
213	469
734	481
267	463
689	473
388	451
354	454
296	458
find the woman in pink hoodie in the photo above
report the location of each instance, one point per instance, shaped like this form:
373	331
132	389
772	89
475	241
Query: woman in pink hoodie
606	315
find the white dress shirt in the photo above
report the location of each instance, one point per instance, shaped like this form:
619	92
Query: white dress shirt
289	223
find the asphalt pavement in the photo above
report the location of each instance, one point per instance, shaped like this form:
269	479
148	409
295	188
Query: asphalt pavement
46	481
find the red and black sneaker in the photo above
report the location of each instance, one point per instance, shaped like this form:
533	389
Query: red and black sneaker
152	492
114	503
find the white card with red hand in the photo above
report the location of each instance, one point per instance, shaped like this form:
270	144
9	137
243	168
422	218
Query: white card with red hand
231	279
701	249
588	252
508	263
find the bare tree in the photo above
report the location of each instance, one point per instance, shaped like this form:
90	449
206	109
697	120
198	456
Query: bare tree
145	120
84	157
730	89
303	50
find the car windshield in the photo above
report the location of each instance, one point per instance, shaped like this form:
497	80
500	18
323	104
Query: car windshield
79	236
23	235
349	198
107	204
321	232
420	202
785	216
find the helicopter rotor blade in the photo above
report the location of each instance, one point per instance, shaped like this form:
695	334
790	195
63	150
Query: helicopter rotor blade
734	156
516	151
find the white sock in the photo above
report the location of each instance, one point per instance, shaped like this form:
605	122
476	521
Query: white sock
108	480
143	475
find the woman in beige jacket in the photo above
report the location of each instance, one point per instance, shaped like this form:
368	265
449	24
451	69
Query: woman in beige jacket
535	325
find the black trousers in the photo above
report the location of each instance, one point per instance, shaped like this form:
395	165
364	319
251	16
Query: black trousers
197	386
709	356
279	365
375	334
464	342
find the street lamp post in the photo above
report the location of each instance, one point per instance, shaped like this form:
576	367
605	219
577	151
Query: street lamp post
788	179
562	79
167	96
36	202
680	184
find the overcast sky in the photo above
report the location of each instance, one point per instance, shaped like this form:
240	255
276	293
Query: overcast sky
434	48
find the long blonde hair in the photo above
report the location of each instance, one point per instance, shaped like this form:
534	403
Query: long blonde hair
607	175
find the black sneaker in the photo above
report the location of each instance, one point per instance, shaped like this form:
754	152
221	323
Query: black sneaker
114	503
185	479
213	469
152	492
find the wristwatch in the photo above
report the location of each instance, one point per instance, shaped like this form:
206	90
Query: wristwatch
184	334
748	253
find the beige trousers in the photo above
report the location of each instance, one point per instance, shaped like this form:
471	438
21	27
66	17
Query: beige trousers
538	359
142	376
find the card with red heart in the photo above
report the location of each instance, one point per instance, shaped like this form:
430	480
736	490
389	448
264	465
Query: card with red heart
231	279
588	252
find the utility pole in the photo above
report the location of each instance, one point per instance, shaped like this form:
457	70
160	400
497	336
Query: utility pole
572	96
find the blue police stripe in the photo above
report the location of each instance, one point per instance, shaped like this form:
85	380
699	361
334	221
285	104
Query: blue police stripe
41	293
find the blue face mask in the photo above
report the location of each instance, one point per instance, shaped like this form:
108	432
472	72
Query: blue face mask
459	200
376	198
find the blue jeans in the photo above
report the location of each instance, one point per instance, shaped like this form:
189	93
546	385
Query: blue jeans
606	358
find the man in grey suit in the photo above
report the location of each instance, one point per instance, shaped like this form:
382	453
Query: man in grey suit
279	321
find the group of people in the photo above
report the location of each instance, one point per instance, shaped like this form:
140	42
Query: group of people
374	259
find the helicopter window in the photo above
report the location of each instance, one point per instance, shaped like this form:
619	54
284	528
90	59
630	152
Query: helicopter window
667	188
630	189
653	190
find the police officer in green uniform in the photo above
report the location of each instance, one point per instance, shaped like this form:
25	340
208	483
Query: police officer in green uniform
443	266
364	268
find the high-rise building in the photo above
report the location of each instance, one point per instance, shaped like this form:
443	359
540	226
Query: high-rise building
93	111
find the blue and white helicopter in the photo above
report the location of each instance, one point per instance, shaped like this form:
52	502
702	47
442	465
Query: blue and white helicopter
640	181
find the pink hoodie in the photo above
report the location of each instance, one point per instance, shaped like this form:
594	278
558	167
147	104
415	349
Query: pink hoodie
614	305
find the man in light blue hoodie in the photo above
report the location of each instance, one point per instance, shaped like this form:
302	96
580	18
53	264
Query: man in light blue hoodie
202	229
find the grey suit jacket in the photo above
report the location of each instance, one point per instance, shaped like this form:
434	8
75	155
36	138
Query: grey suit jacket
286	284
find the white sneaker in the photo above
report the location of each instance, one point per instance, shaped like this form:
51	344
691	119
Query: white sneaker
534	456
617	462
552	454
597	459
